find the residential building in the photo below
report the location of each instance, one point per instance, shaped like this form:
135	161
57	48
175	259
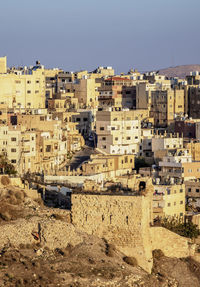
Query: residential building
169	201
118	132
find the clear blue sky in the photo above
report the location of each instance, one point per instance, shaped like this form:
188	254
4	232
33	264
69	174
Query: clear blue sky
84	34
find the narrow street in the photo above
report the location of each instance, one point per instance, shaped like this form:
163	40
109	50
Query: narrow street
81	156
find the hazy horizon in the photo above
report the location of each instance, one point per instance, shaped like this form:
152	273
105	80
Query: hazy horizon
146	35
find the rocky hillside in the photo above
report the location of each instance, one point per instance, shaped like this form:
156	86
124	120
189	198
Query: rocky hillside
179	71
40	247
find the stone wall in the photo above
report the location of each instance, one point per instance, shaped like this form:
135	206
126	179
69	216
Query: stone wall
54	233
121	220
172	244
124	220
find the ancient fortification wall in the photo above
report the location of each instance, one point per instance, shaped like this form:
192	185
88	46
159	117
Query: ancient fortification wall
121	220
125	222
172	244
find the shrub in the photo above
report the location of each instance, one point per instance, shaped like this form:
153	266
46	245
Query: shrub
110	250
130	260
5	216
5	180
186	229
19	195
157	254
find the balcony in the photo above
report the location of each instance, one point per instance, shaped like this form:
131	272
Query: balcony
158	210
158	197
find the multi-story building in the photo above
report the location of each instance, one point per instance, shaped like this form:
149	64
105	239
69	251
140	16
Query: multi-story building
85	90
24	89
163	103
114	165
118	132
169	201
178	166
3	65
194	101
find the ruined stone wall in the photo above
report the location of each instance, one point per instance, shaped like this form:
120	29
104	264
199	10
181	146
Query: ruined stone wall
172	244
54	233
122	220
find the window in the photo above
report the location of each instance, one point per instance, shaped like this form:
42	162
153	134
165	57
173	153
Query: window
36	92
78	119
168	192
197	190
28	82
37	82
115	119
13	139
181	214
181	202
28	92
116	139
189	189
13	150
104	146
103	138
181	190
13	161
101	128
48	148
112	128
169	204
128	128
128	138
174	203
18	82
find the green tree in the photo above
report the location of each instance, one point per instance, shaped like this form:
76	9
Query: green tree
5	165
186	229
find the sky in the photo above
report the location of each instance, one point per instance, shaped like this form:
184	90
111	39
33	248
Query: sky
84	34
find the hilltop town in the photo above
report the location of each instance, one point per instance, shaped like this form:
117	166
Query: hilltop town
100	158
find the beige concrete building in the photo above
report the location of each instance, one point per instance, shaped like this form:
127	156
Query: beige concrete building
169	201
163	103
118	132
3	65
85	90
24	90
178	166
114	165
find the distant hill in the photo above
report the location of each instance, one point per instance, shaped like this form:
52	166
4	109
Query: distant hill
179	71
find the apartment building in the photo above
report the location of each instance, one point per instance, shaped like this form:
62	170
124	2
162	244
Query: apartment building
85	122
163	103
194	101
114	165
23	89
178	166
118	132
85	90
169	201
3	65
